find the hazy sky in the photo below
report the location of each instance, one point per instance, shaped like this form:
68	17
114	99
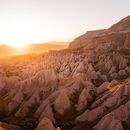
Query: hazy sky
31	21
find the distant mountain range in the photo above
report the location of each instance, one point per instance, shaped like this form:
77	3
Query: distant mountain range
47	46
33	48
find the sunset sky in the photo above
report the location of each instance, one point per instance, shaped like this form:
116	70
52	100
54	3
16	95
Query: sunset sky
35	21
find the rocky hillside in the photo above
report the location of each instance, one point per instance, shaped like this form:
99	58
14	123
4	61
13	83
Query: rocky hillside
84	87
117	32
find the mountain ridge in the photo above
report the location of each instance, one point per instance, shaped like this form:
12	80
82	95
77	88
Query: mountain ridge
32	48
121	27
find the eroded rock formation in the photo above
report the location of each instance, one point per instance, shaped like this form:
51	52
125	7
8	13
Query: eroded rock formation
86	86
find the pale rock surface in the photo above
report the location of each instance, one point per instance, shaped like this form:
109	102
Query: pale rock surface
127	41
45	124
90	115
85	97
62	103
2	82
58	128
23	111
48	112
114	75
41	108
12	81
108	65
15	102
127	69
113	70
110	124
91	74
103	87
114	118
122	73
123	63
80	68
114	83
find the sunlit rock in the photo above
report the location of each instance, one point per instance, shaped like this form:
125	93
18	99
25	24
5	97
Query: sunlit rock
45	124
62	103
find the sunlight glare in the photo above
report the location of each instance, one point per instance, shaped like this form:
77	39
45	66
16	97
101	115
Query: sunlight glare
21	31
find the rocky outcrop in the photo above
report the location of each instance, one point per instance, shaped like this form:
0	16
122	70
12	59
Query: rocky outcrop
62	103
86	38
107	102
127	41
117	34
45	124
113	125
113	120
122	25
48	112
86	96
90	115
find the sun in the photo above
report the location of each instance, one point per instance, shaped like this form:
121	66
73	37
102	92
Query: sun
21	30
19	46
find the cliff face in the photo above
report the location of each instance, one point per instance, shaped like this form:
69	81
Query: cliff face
74	89
85	38
118	30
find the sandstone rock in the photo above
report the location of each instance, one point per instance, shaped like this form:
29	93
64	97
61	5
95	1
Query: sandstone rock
114	75
91	74
108	65
90	115
23	111
41	108
12	81
25	106
66	72
15	102
48	112
62	103
113	119
113	70
34	99
127	41
122	73
127	69
46	77
104	78
85	39
122	25
80	68
128	80
110	125
85	97
45	124
105	86
123	63
114	83
58	128
2	83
